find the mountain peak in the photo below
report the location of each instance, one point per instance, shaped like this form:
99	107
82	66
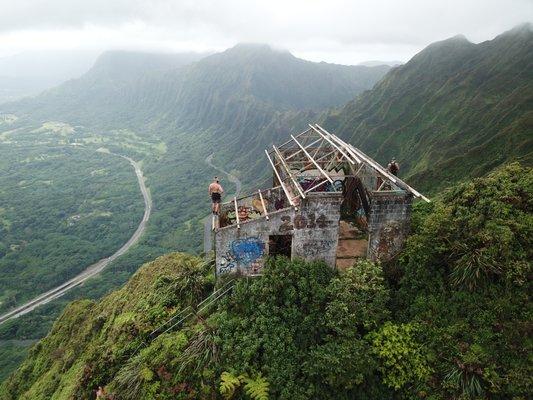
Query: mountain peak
256	49
457	40
522	30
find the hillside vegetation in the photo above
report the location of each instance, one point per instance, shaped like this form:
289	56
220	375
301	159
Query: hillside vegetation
447	320
61	210
455	110
169	112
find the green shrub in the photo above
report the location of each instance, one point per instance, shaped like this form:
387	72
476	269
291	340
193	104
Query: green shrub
402	359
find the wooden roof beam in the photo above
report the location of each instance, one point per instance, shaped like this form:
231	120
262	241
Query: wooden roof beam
317	130
312	159
291	202
288	170
379	168
299	151
298	135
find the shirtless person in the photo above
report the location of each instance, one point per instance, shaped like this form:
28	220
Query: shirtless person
216	191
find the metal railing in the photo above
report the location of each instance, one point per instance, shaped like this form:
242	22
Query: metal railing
186	313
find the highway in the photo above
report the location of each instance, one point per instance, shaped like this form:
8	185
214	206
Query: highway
95	268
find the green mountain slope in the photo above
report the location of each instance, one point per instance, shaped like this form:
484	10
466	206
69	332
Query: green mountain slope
445	321
101	94
184	90
455	110
169	112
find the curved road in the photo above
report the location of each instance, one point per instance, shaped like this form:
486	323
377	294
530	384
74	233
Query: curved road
95	268
207	220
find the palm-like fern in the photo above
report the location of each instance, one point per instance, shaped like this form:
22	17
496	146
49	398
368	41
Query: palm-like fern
256	389
229	384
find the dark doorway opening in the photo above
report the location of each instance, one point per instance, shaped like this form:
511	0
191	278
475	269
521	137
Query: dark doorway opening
280	245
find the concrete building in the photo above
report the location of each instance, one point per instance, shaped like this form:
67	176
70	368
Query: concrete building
329	201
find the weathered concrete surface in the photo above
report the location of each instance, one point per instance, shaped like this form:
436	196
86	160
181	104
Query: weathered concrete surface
314	230
388	225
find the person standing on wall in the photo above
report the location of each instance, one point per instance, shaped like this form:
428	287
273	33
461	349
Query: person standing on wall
215	191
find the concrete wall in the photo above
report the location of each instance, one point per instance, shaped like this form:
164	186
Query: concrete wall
390	217
314	229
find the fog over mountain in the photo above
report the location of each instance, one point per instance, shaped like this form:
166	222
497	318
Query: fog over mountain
30	72
339	31
375	63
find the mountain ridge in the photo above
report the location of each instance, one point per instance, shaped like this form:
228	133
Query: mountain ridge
271	78
452	98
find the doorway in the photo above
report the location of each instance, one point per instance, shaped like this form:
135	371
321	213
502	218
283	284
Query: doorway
280	245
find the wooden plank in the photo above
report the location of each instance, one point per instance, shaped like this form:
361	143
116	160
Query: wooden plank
402	184
317	185
280	180
346	147
298	135
317	130
359	169
263	204
379	168
236	213
299	151
341	143
296	184
312	160
374	164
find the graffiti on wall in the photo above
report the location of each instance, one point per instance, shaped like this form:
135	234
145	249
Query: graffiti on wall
313	249
308	183
245	214
227	263
247	251
301	222
387	241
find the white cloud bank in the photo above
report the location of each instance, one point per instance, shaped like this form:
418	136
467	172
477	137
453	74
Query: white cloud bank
332	30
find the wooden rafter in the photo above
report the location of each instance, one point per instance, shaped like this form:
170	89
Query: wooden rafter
288	171
312	159
317	130
263	204
291	202
378	168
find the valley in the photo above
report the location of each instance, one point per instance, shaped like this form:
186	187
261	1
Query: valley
93	269
61	193
69	200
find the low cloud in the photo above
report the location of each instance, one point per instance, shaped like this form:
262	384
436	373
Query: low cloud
333	30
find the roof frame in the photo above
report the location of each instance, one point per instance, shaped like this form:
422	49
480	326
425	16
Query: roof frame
288	171
316	129
291	201
378	168
317	149
310	157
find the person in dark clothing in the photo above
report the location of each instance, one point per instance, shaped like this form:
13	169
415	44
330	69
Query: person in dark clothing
393	167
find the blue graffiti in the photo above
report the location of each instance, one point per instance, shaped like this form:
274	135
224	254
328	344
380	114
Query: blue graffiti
247	250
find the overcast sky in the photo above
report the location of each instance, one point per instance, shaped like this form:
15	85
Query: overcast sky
339	31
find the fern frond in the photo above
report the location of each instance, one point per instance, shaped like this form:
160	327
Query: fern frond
229	383
256	388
